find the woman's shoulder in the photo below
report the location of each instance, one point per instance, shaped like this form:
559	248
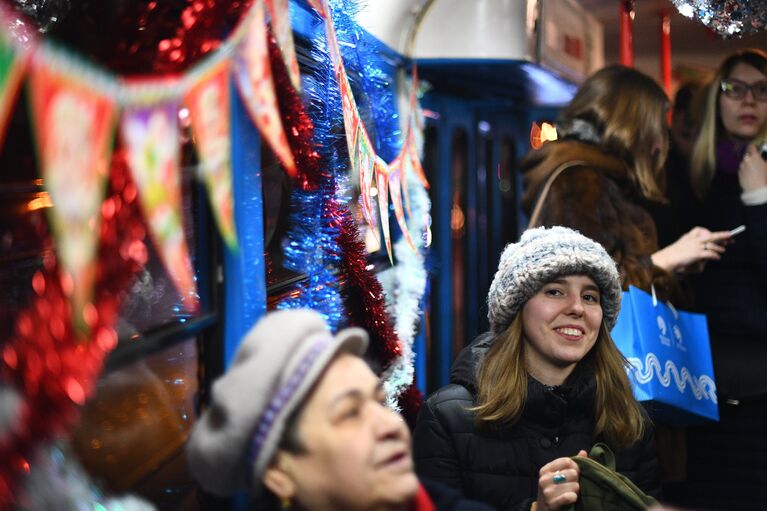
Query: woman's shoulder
450	395
582	166
452	406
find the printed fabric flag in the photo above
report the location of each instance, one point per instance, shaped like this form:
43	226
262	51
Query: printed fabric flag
151	137
74	127
208	104
382	183
12	66
280	13
396	189
253	75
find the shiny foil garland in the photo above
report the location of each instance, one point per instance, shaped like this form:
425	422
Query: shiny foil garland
363	292
310	245
363	295
51	370
728	18
404	284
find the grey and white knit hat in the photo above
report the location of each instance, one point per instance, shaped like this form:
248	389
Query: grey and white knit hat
542	255
275	367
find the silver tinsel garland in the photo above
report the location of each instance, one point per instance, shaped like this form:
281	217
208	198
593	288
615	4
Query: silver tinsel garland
728	18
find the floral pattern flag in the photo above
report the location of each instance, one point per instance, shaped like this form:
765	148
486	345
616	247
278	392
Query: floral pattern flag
151	136
208	104
74	127
253	75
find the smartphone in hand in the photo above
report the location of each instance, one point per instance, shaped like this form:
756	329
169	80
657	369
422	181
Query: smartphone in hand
739	229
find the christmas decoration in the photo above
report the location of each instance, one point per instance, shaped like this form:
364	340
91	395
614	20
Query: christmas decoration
254	79
48	373
208	104
12	68
53	369
151	136
405	283
728	18
74	134
279	11
310	246
57	482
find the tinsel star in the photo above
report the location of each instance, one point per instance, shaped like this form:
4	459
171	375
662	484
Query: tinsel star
728	18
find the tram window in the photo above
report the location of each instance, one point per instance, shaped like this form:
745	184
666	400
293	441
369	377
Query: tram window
459	173
508	187
276	187
132	432
431	164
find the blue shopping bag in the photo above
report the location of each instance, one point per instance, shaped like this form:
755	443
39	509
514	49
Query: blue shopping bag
669	353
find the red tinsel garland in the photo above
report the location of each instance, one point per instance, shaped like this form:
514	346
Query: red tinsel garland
49	367
364	294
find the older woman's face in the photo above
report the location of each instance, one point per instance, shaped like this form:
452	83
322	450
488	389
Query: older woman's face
357	450
743	117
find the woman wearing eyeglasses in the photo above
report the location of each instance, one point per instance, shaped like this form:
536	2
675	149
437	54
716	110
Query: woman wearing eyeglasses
726	468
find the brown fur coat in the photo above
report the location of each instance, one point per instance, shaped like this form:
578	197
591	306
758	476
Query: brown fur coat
600	200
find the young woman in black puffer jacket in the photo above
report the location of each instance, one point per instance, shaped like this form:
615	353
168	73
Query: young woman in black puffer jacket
548	384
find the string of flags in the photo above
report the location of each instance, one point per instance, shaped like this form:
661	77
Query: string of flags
79	108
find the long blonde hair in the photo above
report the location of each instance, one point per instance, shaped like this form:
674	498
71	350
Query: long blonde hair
628	110
703	158
502	386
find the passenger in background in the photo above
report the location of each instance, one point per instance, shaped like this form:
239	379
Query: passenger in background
726	467
546	383
676	216
300	421
614	136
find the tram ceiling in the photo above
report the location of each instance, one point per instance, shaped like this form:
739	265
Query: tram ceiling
693	46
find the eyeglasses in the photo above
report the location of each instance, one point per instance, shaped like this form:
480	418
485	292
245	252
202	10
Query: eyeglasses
735	89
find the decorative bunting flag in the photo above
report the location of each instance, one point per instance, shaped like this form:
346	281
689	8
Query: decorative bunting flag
74	129
365	164
12	66
151	137
318	6
364	161
397	187
254	79
382	183
280	13
208	104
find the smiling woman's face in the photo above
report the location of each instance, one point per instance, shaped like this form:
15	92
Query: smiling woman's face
743	118
356	450
560	324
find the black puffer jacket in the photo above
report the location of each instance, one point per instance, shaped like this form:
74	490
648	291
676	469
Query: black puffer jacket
501	467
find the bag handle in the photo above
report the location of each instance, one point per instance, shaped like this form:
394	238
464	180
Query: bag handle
534	217
603	454
655	302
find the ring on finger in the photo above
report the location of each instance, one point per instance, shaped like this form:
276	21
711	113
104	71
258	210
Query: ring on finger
559	478
705	246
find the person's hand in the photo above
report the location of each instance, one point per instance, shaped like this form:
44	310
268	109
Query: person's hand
752	172
558	484
692	250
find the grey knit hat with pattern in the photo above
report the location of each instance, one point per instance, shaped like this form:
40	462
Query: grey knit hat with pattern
275	367
542	255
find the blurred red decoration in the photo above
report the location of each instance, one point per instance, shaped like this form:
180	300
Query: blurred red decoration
51	369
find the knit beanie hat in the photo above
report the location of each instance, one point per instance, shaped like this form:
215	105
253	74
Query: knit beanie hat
275	367
542	255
